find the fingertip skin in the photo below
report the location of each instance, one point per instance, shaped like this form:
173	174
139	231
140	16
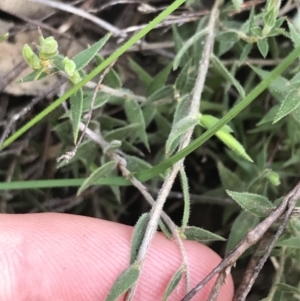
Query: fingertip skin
52	256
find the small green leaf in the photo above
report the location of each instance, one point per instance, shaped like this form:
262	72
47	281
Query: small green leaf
182	77
135	164
126	279
229	179
293	242
269	117
243	223
138	235
35	75
173	283
48	48
159	80
254	203
200	235
143	75
165	229
69	66
245	53
290	103
279	87
84	57
185	46
31	58
179	129
222	70
112	146
263	47
162	93
122	132
135	115
112	78
294	34
76	111
178	46
99	173
186	198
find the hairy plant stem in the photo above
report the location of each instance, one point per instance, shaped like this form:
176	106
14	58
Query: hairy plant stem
157	209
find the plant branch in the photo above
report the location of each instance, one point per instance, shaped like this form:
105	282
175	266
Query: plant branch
156	210
252	237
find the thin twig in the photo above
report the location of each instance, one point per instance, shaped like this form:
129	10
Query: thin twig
81	13
252	237
101	78
185	18
193	110
121	162
251	266
278	275
218	285
270	247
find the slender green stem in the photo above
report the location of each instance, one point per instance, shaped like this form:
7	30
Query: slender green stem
95	72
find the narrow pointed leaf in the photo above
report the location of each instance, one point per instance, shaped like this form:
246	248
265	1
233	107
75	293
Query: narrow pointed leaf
279	87
178	46
33	76
245	53
112	78
143	75
290	103
84	57
229	179
294	34
135	115
123	132
201	235
76	100
222	70
165	229
263	47
159	80
173	283
138	235
182	77
178	129
99	173
162	93
126	279
135	164
242	224
254	203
